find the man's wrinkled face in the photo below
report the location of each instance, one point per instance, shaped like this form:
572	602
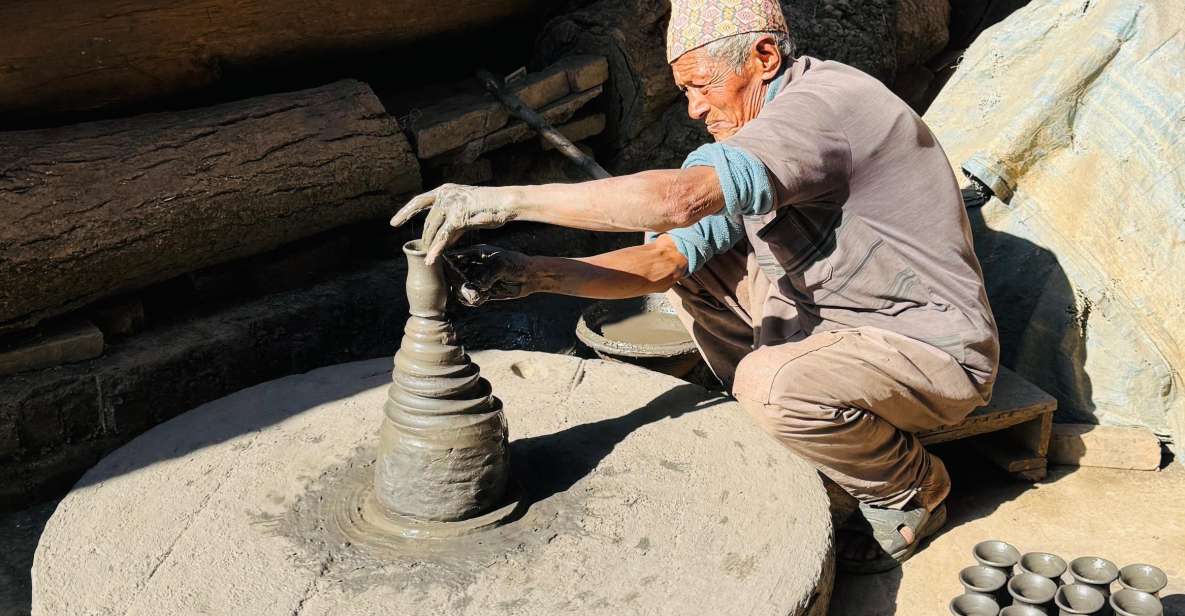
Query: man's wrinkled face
723	98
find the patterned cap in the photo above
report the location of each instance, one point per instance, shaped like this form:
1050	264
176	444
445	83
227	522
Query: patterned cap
695	23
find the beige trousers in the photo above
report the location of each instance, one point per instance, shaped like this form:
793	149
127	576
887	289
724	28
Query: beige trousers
849	401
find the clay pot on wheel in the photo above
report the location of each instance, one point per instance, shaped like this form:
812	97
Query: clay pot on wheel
1031	589
1045	565
1144	578
1077	599
1128	602
1094	571
974	605
997	555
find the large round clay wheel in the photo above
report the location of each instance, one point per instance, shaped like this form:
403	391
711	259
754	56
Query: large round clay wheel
641	494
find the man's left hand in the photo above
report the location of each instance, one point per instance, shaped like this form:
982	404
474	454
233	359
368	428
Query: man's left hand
455	209
485	273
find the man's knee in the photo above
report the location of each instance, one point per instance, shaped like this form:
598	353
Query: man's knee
756	387
771	374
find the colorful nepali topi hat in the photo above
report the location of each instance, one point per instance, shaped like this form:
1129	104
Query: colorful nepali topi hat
695	23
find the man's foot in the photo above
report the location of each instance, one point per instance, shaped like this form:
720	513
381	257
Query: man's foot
875	540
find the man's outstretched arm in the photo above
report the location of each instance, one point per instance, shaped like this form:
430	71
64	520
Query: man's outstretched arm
648	201
490	273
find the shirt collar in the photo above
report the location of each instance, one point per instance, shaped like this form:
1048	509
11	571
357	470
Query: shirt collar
789	73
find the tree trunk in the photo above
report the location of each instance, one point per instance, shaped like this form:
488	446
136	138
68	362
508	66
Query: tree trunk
69	55
631	34
91	210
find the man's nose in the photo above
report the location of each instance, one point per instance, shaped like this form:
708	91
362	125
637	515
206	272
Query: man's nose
697	107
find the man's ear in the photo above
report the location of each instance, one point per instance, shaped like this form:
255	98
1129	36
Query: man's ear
768	57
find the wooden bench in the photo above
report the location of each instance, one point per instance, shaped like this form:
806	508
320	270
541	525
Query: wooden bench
1013	430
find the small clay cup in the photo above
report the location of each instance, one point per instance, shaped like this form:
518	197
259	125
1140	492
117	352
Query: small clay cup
1045	565
1021	610
974	605
1032	589
997	555
981	580
1144	578
1094	571
1128	602
1077	599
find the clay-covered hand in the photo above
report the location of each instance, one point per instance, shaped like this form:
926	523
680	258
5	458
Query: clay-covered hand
483	273
455	209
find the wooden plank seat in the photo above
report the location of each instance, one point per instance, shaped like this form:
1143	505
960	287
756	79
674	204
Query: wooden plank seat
1013	430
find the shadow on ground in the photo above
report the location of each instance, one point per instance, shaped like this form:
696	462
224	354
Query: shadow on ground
553	463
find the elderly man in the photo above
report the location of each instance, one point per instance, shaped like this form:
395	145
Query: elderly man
819	253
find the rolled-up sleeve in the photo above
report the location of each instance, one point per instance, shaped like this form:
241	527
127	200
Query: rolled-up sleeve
747	191
803	147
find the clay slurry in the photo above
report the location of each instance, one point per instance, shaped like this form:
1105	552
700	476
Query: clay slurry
647	328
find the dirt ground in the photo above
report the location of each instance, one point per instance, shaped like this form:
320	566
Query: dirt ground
1126	516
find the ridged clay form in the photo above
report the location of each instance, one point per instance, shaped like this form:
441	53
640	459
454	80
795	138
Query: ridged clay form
443	445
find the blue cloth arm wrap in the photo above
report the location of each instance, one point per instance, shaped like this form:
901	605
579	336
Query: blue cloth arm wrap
747	192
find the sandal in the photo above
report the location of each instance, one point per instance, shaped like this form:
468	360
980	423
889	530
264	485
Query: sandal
883	526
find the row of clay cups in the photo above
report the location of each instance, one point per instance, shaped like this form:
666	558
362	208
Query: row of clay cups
1038	588
1031	597
1093	571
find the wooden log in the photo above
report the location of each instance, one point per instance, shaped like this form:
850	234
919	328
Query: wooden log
86	54
91	210
631	35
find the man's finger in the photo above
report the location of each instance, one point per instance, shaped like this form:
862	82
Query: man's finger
470	296
433	223
413	207
443	238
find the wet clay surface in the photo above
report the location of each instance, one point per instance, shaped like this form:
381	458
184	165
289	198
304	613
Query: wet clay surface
642	494
646	328
356	554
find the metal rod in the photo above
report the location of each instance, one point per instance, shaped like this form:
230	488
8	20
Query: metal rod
520	110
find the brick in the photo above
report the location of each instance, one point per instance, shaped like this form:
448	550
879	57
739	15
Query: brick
463	118
455	122
68	342
1104	446
556	113
539	89
584	71
578	130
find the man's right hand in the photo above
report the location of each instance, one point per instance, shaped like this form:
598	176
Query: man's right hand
483	273
453	210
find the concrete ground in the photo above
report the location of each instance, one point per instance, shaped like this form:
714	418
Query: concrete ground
1124	516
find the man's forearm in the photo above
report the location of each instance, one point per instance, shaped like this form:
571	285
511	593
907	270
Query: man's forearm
648	201
629	272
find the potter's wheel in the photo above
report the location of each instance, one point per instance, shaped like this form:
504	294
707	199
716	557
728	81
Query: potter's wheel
641	495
